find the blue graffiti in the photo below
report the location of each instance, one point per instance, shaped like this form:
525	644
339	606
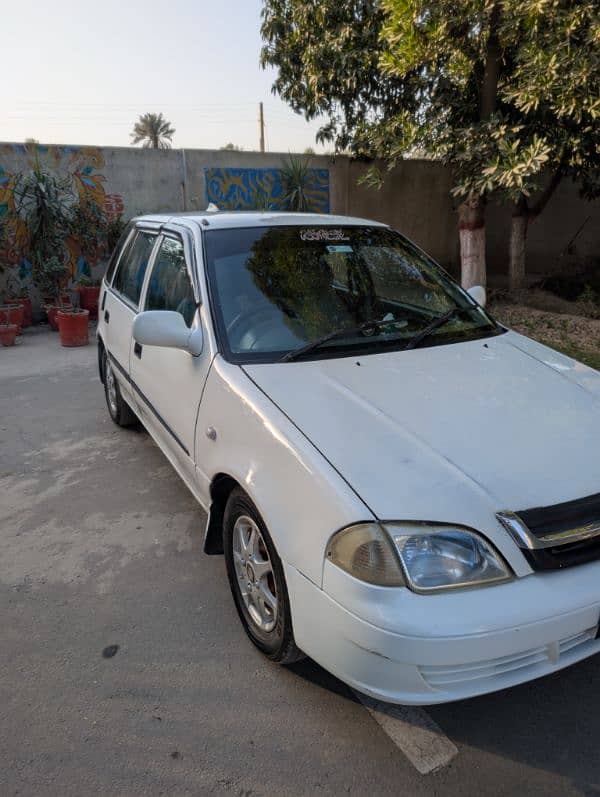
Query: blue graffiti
247	189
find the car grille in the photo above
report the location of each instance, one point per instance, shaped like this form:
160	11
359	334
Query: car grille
557	536
575	553
562	517
509	668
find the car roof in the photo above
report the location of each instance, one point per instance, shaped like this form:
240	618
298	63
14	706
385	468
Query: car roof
221	219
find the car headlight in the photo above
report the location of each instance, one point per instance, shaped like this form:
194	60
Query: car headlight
423	557
366	552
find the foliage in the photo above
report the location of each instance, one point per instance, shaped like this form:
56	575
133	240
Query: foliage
88	226
262	201
295	175
498	89
14	284
114	230
153	130
44	201
50	277
327	55
230	147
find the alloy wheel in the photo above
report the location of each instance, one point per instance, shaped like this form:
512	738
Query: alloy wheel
254	573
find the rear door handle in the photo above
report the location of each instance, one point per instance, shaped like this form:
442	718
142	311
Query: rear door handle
106	316
137	350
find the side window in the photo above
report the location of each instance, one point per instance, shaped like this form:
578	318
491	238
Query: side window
169	287
132	267
114	258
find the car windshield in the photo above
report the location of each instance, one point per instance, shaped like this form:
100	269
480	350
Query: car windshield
276	290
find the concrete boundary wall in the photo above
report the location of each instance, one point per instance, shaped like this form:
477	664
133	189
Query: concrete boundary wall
415	197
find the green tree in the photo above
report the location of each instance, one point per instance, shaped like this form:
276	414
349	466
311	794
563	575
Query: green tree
449	79
555	86
153	130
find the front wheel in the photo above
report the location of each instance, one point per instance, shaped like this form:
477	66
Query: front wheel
257	581
118	408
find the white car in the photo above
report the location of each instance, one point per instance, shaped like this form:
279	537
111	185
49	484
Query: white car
403	489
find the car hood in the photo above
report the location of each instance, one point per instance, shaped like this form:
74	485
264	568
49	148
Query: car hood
449	433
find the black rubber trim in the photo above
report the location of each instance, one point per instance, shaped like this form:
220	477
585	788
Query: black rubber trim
562	517
147	402
125	300
118	365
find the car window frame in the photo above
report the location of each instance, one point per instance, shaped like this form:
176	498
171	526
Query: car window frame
117	253
166	232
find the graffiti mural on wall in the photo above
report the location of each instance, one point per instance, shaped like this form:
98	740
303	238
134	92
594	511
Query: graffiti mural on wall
81	165
247	189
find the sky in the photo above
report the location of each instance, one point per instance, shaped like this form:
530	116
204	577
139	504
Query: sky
83	72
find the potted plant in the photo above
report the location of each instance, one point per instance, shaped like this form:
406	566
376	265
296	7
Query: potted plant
89	293
18	295
73	325
9	326
51	275
90	229
44	201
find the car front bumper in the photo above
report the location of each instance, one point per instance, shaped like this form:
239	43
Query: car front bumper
400	647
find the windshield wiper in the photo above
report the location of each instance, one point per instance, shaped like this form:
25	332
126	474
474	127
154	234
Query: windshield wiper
437	322
340	333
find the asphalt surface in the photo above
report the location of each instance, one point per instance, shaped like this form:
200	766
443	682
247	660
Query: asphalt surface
101	555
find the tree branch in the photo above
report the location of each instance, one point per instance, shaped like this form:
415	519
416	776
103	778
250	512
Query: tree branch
544	197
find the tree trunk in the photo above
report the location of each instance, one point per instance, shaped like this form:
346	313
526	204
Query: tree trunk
471	226
522	217
518	242
491	72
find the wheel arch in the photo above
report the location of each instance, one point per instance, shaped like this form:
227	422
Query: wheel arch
221	487
101	350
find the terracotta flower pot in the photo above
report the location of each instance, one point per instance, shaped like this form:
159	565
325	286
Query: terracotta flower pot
25	303
8	333
12	314
73	327
88	298
52	311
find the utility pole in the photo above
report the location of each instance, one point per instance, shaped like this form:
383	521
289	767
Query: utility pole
261	126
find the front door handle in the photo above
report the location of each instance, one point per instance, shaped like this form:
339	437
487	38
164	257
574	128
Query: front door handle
106	316
137	350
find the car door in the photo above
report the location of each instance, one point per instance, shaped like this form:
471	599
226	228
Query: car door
121	301
168	383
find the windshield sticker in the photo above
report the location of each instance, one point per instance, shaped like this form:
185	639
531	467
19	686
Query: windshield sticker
323	234
339	248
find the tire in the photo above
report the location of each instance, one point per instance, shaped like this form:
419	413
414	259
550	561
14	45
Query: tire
118	409
269	628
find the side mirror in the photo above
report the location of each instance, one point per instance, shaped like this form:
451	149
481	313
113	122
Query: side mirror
167	329
477	292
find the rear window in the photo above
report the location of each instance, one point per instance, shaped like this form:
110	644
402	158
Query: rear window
114	258
133	264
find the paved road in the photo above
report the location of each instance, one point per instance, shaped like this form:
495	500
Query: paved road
101	546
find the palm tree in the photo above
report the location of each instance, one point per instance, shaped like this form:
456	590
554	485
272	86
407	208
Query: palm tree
154	130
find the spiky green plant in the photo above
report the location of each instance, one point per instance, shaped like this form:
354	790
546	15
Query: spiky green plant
295	176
